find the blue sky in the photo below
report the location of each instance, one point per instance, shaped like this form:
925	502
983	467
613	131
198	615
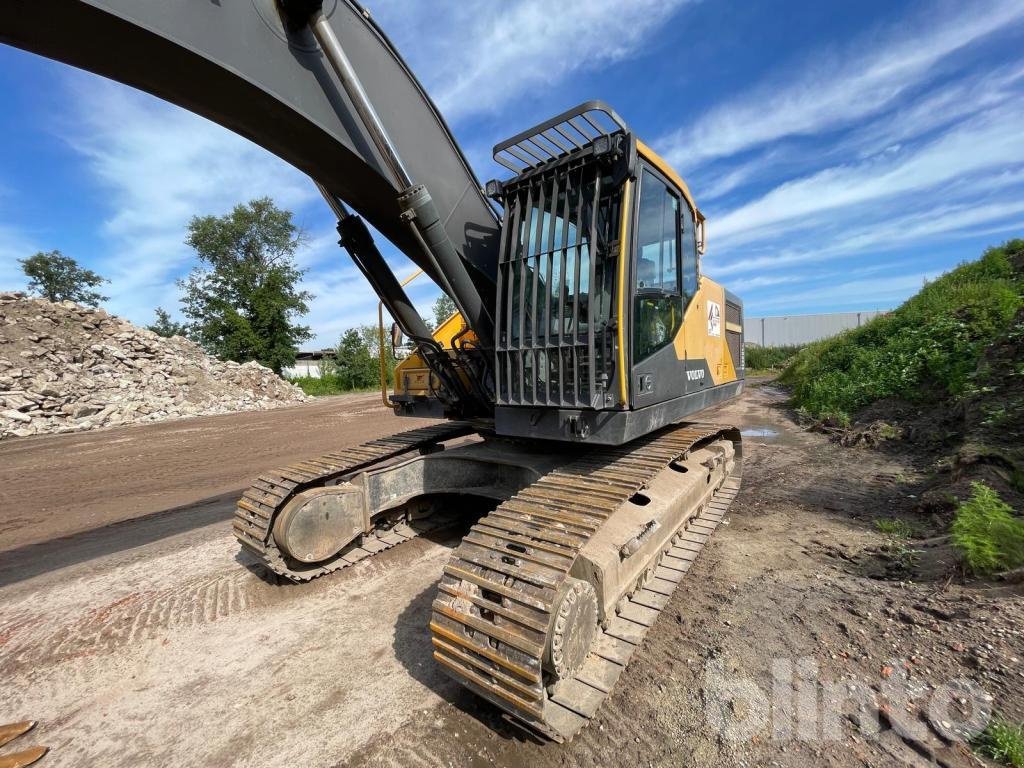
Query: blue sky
843	153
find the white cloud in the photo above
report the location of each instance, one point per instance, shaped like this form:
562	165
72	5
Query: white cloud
860	294
986	144
878	232
159	166
476	57
835	89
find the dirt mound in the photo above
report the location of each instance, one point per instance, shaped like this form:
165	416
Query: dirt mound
68	368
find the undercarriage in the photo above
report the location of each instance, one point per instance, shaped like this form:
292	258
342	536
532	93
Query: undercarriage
549	594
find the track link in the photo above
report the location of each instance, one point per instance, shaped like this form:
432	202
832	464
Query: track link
495	602
259	505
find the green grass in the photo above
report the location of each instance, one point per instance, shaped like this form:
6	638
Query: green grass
319	386
896	529
1003	742
927	350
988	536
761	360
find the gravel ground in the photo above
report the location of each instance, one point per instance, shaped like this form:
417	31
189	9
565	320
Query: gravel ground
802	636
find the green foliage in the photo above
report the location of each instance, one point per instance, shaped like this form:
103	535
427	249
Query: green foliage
925	351
354	364
166	327
242	301
354	367
1002	741
443	308
894	528
985	531
769	358
57	277
318	386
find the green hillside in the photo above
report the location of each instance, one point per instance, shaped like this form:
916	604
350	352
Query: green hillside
932	349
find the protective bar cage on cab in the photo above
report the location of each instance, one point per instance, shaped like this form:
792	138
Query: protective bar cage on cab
557	260
559	137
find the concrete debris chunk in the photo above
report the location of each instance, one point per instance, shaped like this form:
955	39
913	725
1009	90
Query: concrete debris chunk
66	368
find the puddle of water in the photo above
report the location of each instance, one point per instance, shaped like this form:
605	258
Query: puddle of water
767	432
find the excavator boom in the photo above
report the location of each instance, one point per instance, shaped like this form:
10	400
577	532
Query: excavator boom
238	64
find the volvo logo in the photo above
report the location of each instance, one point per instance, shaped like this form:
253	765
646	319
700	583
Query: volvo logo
695	375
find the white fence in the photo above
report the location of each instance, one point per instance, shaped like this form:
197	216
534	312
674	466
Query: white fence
787	330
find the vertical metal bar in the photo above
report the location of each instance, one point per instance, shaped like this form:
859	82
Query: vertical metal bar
563	253
502	309
578	247
550	286
535	258
523	256
517	215
594	253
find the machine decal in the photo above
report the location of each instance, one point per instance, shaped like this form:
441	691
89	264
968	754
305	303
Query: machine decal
714	319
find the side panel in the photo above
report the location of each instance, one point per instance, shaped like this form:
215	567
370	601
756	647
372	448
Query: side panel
702	342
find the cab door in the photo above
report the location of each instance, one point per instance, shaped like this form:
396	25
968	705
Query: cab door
657	287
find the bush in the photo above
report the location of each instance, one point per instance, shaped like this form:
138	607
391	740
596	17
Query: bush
924	351
770	358
1002	742
988	536
319	386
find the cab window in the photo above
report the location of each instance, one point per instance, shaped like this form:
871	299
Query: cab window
658	290
657	239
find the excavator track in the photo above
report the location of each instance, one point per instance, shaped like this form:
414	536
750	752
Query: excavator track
260	504
496	603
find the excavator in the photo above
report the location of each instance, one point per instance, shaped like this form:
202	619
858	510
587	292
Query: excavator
560	395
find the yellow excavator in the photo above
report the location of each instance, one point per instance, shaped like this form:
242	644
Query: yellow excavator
560	392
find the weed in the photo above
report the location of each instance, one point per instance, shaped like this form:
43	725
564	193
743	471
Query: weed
893	528
1003	742
319	386
988	536
768	359
888	431
902	556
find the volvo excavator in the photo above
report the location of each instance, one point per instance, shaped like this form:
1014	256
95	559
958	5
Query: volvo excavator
562	391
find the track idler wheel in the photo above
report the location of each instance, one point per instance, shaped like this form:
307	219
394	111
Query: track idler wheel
573	628
317	523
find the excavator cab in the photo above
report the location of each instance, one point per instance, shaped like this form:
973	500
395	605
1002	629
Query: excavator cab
605	327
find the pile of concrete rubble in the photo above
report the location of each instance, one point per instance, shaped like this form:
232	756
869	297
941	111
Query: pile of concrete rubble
68	368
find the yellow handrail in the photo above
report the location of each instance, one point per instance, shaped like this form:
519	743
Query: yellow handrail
381	343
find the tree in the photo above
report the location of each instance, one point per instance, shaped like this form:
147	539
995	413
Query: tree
371	338
57	277
354	363
166	327
242	301
443	308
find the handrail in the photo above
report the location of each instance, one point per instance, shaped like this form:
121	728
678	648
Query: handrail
381	342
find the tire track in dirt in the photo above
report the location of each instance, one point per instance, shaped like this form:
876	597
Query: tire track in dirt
35	634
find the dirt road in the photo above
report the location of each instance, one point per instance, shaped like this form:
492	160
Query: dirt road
149	642
63	484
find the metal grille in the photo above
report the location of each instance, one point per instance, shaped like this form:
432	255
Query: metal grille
556	287
559	137
734	339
